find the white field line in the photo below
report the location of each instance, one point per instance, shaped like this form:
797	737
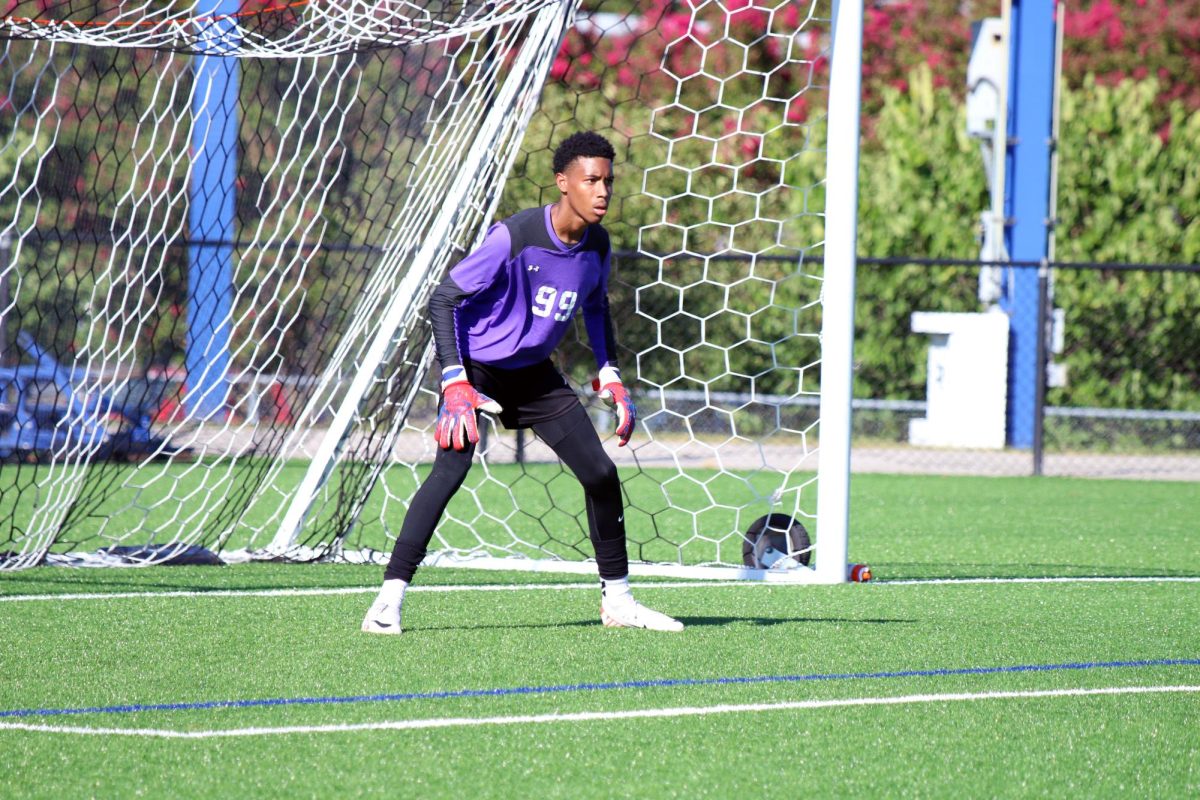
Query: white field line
524	587
1081	579
513	587
590	716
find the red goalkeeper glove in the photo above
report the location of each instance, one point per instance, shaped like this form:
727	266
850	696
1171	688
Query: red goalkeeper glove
614	392
456	425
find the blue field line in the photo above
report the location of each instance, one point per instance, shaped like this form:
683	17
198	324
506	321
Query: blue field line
663	683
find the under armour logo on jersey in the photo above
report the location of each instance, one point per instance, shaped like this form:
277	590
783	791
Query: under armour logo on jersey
533	268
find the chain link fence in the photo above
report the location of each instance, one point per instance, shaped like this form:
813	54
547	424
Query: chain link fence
1119	356
1118	347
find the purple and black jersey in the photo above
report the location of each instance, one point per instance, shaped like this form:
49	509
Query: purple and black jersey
510	302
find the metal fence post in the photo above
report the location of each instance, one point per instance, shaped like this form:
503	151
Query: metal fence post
1039	386
5	274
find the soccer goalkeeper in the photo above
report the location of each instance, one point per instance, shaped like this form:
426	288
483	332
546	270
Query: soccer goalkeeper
497	317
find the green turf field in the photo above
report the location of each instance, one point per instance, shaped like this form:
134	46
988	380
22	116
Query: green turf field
253	680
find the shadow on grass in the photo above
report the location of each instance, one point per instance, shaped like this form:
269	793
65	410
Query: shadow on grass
689	622
761	621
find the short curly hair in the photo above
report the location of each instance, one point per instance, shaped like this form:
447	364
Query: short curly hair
584	144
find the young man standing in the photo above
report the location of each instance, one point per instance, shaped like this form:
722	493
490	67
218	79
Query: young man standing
496	318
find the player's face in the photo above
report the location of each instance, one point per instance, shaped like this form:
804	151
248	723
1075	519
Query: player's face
587	186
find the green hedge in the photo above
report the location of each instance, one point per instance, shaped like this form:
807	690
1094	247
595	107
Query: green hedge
1127	192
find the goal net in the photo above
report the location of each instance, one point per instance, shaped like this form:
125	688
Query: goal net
220	223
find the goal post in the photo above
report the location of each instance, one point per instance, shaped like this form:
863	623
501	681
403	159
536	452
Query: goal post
503	123
841	261
375	142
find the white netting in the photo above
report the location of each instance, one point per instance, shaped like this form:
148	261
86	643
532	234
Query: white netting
362	170
261	29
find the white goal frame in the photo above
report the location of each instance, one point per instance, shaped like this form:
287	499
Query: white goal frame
837	351
385	133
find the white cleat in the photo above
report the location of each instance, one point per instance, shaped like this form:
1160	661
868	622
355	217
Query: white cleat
635	615
382	618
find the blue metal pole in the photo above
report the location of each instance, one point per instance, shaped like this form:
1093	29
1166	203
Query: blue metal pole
211	215
1027	204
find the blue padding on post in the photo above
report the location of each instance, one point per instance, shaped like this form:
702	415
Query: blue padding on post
1031	101
211	219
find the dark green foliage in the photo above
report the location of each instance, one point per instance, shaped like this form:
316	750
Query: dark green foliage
1125	195
921	189
1129	190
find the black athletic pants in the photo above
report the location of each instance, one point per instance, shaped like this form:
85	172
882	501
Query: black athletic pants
573	440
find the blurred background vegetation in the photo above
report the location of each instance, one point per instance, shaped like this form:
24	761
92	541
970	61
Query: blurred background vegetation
1129	186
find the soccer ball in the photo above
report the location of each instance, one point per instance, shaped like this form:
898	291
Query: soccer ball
776	540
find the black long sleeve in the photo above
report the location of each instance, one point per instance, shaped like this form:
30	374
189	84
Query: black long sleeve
445	298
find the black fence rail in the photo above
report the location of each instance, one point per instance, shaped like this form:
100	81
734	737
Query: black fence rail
1118	356
1118	362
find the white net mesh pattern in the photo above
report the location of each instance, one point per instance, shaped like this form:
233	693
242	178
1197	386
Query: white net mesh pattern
371	142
